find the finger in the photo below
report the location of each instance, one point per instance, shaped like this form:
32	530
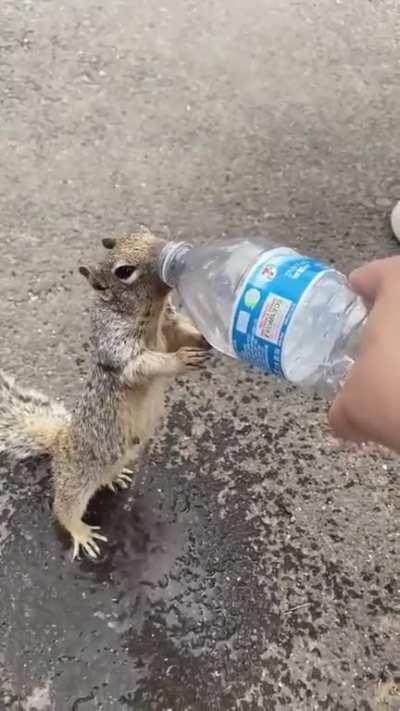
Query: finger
367	280
342	423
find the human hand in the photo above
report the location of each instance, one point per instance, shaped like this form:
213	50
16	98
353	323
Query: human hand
368	406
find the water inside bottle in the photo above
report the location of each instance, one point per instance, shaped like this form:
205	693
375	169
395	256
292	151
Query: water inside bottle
208	277
317	349
317	342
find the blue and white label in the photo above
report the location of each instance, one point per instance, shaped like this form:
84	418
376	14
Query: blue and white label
266	304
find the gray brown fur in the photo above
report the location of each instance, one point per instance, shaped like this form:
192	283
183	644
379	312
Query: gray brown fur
138	341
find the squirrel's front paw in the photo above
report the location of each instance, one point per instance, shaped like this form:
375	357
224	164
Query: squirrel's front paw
192	357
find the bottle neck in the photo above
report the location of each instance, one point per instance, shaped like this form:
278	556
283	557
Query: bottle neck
171	262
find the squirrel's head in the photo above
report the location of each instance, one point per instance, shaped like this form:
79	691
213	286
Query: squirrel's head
128	274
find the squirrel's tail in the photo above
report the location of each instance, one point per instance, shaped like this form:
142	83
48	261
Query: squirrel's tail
30	423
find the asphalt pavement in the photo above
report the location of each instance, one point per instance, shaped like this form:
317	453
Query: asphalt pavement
255	562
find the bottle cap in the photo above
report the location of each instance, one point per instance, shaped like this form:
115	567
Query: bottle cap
167	255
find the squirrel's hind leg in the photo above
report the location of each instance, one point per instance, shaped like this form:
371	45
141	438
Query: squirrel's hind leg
72	496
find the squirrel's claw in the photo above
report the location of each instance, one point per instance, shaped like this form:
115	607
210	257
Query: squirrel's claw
123	480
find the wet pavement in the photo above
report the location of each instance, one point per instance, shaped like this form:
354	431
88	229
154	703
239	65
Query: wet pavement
254	564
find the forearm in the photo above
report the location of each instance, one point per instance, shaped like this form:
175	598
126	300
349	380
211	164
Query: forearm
148	365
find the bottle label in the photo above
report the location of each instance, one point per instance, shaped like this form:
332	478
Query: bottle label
268	299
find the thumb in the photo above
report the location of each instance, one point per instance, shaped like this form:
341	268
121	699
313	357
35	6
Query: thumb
342	423
367	280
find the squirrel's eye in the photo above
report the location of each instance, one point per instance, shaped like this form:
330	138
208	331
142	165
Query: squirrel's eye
125	273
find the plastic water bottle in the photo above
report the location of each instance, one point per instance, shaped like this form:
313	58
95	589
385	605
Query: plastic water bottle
271	307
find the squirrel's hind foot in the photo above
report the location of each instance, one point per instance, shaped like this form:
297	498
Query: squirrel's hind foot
84	537
123	480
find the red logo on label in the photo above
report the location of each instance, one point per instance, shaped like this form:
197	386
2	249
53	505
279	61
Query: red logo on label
268	272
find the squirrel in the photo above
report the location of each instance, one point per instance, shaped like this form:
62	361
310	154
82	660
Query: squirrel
138	340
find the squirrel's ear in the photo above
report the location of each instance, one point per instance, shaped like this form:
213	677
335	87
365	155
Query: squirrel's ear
93	278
